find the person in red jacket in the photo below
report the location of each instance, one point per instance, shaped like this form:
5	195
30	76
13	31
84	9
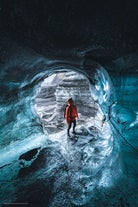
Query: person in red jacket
71	115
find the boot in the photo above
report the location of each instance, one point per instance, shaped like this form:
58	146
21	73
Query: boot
68	133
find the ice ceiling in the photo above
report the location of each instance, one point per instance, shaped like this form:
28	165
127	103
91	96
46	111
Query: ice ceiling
38	164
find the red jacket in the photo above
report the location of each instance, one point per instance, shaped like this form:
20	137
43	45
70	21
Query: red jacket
71	113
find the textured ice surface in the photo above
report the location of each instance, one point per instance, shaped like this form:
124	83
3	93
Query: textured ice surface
100	169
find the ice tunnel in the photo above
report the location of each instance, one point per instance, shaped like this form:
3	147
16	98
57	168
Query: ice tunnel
38	164
52	98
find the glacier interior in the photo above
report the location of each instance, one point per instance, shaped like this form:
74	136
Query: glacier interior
39	165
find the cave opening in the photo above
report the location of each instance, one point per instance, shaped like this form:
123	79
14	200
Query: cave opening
51	99
52	96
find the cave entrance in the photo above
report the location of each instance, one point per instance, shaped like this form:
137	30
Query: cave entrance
52	97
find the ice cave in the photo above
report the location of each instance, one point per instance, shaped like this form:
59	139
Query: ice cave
39	164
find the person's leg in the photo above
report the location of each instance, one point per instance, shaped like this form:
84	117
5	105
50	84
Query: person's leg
69	126
74	125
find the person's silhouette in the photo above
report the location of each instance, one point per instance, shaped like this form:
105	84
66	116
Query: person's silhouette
70	115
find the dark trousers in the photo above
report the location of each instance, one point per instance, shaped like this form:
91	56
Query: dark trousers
70	124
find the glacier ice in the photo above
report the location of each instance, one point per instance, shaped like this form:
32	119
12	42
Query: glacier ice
100	168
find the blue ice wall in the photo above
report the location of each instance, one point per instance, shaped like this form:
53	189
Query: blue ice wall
124	76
